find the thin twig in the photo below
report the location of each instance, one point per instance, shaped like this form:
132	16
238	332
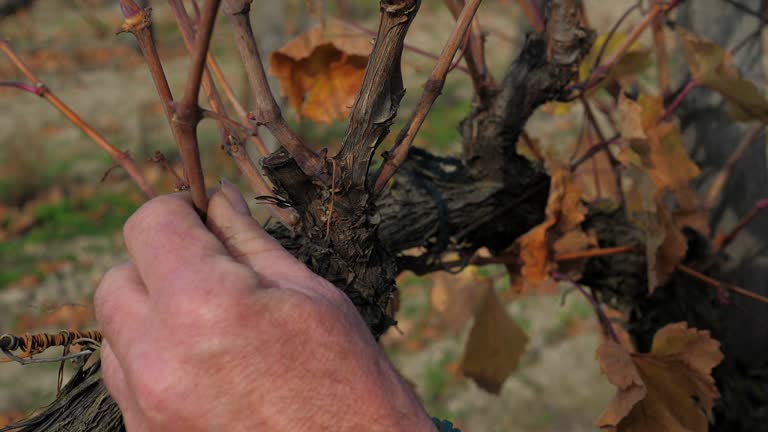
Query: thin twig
234	134
602	318
188	114
242	114
597	252
724	241
481	78
120	158
29	361
660	43
532	14
615	164
679	99
600	72
432	90
138	22
594	150
477	260
611	34
266	110
407	47
720	285
718	183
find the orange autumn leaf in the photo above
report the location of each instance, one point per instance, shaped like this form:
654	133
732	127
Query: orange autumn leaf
669	389
494	346
320	70
564	213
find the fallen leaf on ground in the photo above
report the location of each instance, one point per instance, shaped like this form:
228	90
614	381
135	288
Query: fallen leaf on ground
494	346
320	70
669	389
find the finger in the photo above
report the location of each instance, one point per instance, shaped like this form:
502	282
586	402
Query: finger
118	388
122	304
170	245
247	242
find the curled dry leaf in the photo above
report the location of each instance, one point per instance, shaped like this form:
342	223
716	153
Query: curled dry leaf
656	164
320	70
565	212
669	389
494	346
710	66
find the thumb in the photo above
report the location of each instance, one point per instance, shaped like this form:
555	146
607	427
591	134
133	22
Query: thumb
230	220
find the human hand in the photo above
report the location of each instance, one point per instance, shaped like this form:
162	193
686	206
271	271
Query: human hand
218	328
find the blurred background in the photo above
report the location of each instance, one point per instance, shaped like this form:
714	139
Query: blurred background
60	217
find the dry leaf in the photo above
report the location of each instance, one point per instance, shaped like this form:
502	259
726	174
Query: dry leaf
320	70
656	163
672	249
564	213
455	297
572	242
669	389
494	346
634	61
710	66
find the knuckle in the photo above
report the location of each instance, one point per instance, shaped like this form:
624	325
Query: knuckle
157	212
104	293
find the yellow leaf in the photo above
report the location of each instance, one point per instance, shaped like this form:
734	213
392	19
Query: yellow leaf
669	389
320	70
710	66
494	346
635	60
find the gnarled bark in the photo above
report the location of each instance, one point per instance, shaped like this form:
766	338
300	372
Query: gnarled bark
435	203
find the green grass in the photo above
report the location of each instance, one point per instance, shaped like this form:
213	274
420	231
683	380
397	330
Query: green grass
98	215
436	377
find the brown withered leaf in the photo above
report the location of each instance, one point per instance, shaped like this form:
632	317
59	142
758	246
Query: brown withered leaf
455	297
320	70
656	163
565	212
669	389
672	249
657	144
494	346
710	66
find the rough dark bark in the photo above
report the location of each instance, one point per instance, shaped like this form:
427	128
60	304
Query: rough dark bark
433	203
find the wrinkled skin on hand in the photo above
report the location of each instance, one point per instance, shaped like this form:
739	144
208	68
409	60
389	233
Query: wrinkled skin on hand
215	327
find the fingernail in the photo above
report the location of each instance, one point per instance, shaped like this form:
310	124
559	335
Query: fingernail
234	197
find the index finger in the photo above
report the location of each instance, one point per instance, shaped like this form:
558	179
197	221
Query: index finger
171	246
